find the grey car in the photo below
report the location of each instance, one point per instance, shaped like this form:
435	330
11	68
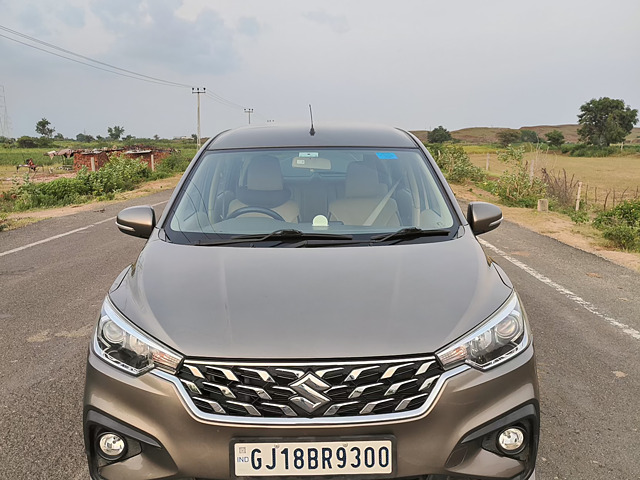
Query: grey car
312	303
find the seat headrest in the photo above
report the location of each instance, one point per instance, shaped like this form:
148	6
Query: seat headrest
263	174
362	181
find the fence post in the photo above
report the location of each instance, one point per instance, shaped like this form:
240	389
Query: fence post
487	168
578	196
93	164
153	165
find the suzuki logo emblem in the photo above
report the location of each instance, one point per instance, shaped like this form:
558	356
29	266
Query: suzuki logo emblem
309	389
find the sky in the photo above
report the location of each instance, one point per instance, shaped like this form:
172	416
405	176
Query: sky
414	64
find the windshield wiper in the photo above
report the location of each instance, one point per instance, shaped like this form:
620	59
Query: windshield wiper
278	235
409	233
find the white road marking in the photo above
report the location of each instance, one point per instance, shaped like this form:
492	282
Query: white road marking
632	332
55	237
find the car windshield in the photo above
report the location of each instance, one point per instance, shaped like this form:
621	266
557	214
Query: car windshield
355	193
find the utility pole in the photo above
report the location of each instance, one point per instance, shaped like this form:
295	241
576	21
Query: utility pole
249	111
5	122
198	91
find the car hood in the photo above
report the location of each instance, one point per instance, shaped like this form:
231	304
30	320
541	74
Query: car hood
321	303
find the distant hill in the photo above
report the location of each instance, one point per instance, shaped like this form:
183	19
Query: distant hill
481	135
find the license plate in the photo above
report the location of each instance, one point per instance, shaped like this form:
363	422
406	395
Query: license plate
307	458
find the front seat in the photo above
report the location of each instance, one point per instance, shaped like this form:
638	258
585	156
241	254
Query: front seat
366	201
264	188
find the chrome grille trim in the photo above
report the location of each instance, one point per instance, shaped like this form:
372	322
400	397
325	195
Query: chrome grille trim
215	406
399	415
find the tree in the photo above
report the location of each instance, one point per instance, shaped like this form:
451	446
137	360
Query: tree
44	128
507	137
529	136
115	133
605	121
439	135
84	138
555	138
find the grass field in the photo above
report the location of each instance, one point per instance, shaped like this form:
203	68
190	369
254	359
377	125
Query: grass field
600	176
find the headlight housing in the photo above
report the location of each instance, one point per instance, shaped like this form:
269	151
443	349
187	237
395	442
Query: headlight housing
122	345
501	337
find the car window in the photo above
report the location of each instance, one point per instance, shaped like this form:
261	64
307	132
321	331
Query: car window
336	190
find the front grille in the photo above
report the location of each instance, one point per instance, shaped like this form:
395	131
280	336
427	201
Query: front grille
310	390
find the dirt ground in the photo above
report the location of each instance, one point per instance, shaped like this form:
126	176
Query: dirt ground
550	224
555	225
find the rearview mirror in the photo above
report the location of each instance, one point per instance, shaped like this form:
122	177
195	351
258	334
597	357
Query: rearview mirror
483	217
137	221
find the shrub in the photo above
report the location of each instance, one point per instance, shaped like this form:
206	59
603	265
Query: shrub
456	165
579	216
514	187
529	136
27	142
59	192
560	187
174	163
621	225
582	150
119	174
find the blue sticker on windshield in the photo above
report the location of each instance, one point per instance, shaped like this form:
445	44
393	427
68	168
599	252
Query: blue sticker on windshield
387	156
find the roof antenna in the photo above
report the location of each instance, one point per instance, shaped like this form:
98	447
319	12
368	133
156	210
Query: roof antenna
312	132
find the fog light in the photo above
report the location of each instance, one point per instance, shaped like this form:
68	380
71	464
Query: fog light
511	440
111	446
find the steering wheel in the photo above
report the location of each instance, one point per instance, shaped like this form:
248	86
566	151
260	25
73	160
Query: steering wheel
264	211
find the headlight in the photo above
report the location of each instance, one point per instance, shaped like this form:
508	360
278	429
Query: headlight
503	335
121	344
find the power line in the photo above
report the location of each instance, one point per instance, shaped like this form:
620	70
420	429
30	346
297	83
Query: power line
106	67
217	98
50	45
84	63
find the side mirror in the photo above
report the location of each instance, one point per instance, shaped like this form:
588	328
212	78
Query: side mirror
137	221
483	217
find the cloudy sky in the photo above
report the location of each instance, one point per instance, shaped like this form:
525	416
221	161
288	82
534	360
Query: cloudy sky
415	64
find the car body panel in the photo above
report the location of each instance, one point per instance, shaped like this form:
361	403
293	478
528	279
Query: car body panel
337	302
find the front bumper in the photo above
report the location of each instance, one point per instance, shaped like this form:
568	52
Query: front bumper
454	439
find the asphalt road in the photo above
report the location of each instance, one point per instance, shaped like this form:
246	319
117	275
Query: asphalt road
584	312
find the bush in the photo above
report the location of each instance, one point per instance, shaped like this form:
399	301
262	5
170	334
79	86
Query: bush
621	225
529	136
581	150
174	163
456	165
59	192
623	236
27	142
579	216
119	174
514	187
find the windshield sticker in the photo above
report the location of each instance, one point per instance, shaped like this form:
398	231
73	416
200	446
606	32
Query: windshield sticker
387	156
308	155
